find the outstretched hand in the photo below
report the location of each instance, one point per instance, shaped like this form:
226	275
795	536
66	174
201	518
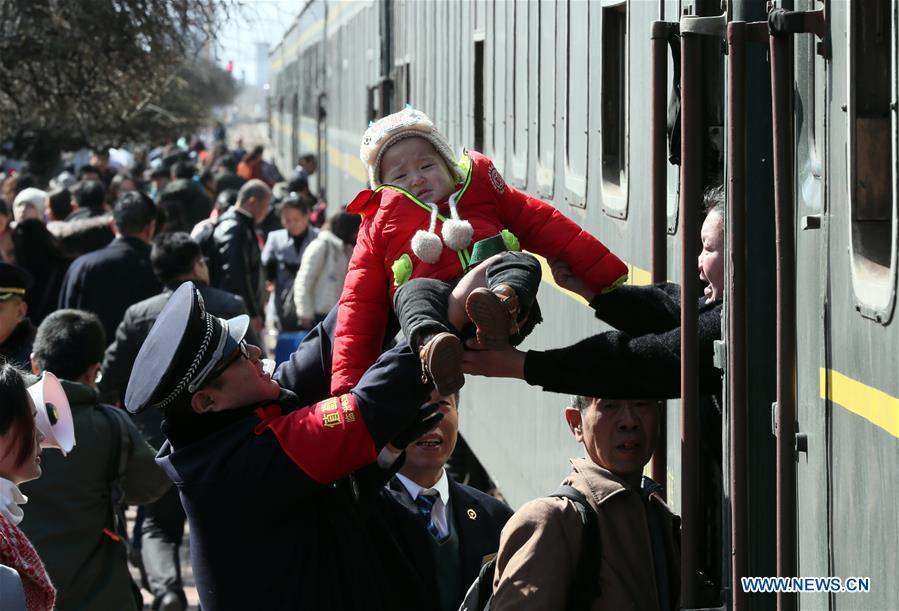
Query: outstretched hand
506	363
567	279
426	421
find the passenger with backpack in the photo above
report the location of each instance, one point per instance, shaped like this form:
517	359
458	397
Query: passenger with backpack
622	552
74	518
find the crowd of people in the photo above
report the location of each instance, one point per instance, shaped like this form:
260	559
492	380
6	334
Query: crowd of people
323	481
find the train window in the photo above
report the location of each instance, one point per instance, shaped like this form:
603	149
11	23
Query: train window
673	170
295	130
811	109
614	100
403	86
498	137
872	161
577	106
546	98
479	95
281	125
520	92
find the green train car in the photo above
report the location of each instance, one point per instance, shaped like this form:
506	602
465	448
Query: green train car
620	113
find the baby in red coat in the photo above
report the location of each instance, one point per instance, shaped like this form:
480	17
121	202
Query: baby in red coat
431	220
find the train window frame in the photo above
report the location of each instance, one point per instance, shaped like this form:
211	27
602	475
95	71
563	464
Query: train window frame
478	93
519	15
811	85
615	167
874	283
545	170
575	181
403	84
498	87
281	128
295	128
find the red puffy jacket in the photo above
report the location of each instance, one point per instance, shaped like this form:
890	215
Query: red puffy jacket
390	218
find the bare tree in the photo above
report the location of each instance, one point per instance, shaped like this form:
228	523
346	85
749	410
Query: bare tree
97	72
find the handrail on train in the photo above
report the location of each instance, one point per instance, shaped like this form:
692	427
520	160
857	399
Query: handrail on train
782	24
690	203
738	34
664	36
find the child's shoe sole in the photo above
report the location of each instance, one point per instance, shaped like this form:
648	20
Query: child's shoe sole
441	358
491	317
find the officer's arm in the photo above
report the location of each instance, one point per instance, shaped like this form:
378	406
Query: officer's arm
336	436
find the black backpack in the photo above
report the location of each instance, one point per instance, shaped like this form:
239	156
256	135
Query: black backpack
122	449
584	588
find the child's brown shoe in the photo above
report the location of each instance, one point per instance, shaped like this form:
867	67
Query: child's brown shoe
495	314
441	362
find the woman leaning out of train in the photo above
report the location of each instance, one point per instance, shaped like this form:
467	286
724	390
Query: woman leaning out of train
642	356
20	462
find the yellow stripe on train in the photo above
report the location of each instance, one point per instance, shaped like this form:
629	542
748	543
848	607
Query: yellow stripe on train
875	406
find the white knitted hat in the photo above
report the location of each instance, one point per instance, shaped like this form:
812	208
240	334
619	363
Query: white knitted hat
388	130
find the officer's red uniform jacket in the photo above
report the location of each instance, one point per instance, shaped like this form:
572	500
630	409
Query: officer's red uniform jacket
274	523
383	258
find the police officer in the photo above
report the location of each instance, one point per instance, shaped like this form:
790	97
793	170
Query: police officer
263	480
16	330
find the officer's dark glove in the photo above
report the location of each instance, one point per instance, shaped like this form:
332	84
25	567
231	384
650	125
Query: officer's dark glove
426	421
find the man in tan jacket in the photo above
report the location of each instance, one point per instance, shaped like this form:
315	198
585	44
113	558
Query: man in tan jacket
540	546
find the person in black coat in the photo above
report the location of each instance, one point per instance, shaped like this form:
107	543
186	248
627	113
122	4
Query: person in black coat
176	258
432	533
184	201
16	330
39	252
109	280
236	264
267	483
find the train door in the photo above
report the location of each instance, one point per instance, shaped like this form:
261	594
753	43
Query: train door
813	309
861	380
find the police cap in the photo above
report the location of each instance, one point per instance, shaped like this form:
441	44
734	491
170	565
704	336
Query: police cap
183	350
14	281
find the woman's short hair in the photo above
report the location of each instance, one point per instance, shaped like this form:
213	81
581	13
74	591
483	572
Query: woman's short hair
300	202
713	200
345	226
15	413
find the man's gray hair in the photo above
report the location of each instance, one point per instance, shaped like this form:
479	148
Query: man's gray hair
581	402
253	188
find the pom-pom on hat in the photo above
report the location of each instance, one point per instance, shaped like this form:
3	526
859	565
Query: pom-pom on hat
388	130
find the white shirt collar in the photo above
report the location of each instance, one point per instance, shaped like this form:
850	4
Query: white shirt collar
439	510
10	500
442	487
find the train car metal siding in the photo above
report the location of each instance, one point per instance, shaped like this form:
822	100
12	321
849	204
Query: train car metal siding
535	99
847	383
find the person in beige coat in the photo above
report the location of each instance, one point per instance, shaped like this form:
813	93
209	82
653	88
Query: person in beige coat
541	544
323	269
